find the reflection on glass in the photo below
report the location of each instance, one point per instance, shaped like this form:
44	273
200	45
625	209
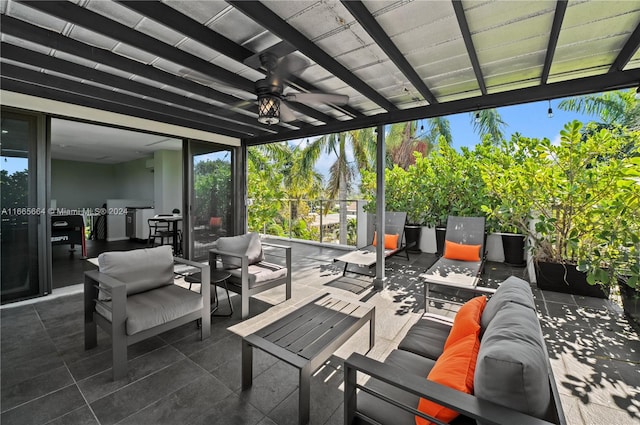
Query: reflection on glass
16	215
212	207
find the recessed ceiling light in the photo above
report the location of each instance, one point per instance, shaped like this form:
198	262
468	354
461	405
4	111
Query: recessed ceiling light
4	131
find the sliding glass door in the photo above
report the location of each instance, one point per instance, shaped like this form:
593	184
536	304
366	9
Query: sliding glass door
24	213
211	193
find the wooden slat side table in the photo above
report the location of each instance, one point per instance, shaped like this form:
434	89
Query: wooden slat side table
306	338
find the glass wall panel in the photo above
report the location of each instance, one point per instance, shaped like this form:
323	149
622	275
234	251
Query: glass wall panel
20	212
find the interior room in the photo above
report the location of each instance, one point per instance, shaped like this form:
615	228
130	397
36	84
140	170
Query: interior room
116	180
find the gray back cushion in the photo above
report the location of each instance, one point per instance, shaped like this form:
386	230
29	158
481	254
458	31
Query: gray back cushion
511	290
140	269
248	244
512	368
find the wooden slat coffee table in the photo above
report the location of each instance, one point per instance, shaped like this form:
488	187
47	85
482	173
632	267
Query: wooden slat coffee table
306	338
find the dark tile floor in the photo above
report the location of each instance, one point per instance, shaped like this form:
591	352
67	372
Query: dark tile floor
48	378
68	266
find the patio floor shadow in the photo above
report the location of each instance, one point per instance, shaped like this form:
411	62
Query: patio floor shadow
48	378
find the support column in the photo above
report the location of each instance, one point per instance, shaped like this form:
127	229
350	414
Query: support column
379	280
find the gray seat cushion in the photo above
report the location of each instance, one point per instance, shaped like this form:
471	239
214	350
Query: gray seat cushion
152	308
511	369
454	272
512	289
248	244
259	274
427	336
140	269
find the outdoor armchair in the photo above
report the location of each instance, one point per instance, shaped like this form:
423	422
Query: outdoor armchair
133	297
461	264
243	257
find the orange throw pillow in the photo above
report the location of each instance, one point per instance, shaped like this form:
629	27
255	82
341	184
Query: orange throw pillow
458	251
467	320
390	241
455	368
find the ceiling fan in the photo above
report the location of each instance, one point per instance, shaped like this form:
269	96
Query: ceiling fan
272	102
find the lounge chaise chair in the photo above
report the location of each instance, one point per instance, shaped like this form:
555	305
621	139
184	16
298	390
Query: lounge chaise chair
393	240
461	264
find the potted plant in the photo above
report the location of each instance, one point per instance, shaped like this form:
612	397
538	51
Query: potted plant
571	191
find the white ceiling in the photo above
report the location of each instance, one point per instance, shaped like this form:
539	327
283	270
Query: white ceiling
76	141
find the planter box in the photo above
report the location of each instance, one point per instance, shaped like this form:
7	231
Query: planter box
412	234
566	279
630	302
428	240
441	234
493	247
513	249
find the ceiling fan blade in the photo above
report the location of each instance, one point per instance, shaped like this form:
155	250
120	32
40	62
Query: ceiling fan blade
286	114
315	98
292	65
280	49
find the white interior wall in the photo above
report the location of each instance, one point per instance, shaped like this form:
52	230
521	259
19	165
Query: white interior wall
89	185
168	181
76	185
135	180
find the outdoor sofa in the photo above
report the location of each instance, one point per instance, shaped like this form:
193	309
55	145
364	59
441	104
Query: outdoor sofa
512	382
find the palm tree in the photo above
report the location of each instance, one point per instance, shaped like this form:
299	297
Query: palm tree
342	172
402	140
617	107
488	122
299	180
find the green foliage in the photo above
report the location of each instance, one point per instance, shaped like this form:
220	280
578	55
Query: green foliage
212	187
13	189
263	186
582	193
440	184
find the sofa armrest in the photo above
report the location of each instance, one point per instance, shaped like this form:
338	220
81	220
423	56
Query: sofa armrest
466	404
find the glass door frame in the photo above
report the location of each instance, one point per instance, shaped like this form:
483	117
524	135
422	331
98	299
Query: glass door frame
192	147
39	157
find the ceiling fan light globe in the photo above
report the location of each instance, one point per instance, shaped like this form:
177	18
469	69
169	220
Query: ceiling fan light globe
268	120
268	110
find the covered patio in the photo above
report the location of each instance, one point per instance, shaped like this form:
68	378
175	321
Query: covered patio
48	377
200	71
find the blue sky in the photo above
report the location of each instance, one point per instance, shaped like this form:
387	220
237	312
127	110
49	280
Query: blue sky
530	120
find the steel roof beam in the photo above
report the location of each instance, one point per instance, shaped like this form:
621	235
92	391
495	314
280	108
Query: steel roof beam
76	99
54	40
558	17
85	18
115	98
373	28
627	51
181	23
468	42
175	20
265	17
30	57
595	84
